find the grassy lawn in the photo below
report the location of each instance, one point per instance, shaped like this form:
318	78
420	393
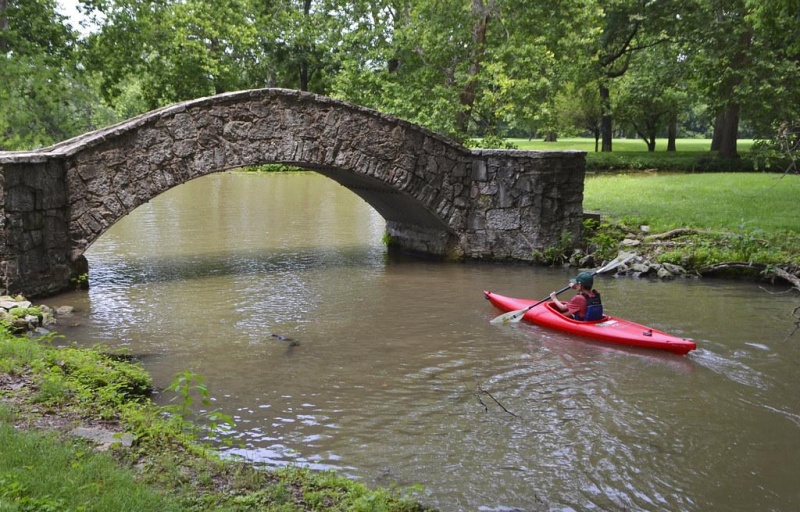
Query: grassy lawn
623	145
691	155
716	201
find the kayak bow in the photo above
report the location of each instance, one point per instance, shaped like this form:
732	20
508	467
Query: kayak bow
608	329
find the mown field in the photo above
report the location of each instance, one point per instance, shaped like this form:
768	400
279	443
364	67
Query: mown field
623	145
715	201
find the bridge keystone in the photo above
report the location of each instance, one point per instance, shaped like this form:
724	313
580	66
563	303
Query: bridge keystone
438	198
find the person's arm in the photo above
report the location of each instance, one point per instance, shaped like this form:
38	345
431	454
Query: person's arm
560	306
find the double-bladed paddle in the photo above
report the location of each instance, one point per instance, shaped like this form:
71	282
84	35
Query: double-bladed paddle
516	316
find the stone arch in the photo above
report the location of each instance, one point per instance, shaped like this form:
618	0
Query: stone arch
411	176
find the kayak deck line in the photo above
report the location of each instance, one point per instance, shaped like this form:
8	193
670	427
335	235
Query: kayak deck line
609	329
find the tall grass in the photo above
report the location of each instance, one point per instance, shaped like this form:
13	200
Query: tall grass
719	201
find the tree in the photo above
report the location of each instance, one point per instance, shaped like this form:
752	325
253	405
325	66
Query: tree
652	94
580	109
3	26
179	50
621	29
300	40
460	67
45	97
745	59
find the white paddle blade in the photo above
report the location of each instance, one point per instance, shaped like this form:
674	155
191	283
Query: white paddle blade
621	259
510	317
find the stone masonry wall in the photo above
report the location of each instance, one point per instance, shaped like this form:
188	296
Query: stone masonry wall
522	202
35	246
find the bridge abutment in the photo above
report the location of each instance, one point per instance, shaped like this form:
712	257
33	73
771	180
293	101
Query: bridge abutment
519	204
35	247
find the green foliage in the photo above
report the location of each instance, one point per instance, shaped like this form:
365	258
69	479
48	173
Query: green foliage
491	142
23	312
782	152
386	239
327	491
464	69
46	95
189	386
602	238
559	253
80	282
684	162
273	168
95	382
697	251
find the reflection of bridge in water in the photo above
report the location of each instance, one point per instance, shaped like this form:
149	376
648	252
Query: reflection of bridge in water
437	197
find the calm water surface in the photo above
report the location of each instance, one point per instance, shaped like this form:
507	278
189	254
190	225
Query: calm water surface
399	378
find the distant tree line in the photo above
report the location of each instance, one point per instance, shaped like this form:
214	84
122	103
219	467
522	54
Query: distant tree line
464	68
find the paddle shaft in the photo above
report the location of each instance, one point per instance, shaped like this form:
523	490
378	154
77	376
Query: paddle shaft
559	292
521	312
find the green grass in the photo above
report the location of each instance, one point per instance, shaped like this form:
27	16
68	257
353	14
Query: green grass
39	472
691	155
623	145
717	201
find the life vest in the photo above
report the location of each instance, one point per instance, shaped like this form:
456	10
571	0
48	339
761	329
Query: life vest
594	307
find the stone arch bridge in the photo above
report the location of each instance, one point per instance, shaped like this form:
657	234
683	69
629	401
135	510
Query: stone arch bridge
437	197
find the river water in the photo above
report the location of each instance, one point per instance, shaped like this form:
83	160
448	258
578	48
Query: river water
396	376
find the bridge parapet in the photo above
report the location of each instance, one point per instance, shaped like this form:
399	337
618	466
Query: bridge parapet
437	197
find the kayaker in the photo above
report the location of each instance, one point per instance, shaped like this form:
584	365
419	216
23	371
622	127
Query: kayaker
586	304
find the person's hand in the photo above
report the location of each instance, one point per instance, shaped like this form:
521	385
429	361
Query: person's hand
552	295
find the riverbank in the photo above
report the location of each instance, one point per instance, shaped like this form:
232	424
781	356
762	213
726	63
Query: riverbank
735	225
88	414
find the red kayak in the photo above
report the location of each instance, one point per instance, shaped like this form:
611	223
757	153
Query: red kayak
609	329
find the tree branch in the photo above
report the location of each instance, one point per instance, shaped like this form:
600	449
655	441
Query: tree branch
673	233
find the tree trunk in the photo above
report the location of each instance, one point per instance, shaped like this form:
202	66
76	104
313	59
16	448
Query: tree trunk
606	124
467	96
3	26
551	137
728	119
716	137
303	74
596	139
729	132
304	56
672	133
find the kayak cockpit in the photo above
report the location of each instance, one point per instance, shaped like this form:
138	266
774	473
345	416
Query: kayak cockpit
553	310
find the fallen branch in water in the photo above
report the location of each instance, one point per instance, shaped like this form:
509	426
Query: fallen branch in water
796	314
485	409
497	402
795	280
